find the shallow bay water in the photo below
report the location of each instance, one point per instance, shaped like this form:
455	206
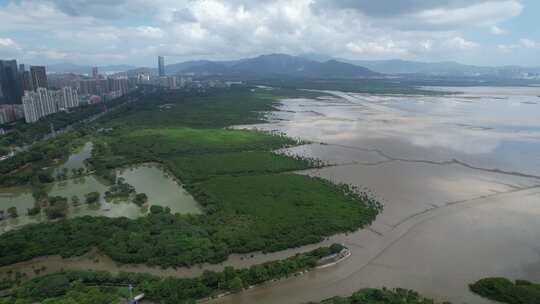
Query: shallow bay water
459	177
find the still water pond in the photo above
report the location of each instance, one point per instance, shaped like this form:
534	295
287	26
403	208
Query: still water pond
160	187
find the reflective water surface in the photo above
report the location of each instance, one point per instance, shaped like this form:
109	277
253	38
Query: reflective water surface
160	187
459	177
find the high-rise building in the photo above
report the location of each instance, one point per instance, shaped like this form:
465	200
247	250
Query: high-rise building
95	73
32	106
10	112
10	89
27	81
39	77
69	98
44	102
161	66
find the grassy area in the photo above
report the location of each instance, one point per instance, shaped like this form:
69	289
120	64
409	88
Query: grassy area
250	202
212	109
505	291
200	167
178	141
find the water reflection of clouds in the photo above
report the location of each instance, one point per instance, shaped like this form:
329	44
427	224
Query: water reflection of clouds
475	127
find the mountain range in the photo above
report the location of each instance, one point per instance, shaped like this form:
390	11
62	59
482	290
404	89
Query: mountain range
274	65
314	66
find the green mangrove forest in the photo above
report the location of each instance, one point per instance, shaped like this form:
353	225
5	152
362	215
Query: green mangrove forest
251	199
505	291
97	287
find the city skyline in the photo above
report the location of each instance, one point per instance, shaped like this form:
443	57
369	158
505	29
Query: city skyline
479	32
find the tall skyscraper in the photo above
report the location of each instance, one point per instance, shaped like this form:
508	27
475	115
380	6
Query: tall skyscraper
10	89
39	77
161	66
27	81
95	73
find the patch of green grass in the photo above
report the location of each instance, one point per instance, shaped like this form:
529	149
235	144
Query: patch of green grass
200	167
188	140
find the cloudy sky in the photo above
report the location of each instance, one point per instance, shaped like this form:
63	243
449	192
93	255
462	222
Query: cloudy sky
482	32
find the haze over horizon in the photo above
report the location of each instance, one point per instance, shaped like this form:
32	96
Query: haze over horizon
478	32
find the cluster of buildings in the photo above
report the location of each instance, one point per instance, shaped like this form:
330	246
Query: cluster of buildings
174	82
43	102
32	94
16	83
10	112
104	87
28	93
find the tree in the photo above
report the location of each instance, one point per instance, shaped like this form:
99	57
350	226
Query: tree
75	201
156	209
12	212
236	284
35	210
58	209
92	197
140	199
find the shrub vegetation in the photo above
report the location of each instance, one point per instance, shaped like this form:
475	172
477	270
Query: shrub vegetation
505	291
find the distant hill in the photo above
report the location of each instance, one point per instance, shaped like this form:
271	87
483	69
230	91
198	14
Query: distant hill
312	65
445	68
282	65
62	68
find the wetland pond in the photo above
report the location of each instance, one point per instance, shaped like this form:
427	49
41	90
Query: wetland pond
161	188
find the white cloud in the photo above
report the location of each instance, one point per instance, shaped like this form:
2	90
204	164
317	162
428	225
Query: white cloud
496	30
458	43
7	43
529	43
140	29
485	13
149	32
379	47
523	44
9	48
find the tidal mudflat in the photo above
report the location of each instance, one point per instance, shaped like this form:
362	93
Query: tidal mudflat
459	177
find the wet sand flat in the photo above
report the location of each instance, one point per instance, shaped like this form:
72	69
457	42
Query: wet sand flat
459	177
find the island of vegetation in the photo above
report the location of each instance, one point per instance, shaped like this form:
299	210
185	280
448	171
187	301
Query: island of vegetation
505	291
251	198
382	296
